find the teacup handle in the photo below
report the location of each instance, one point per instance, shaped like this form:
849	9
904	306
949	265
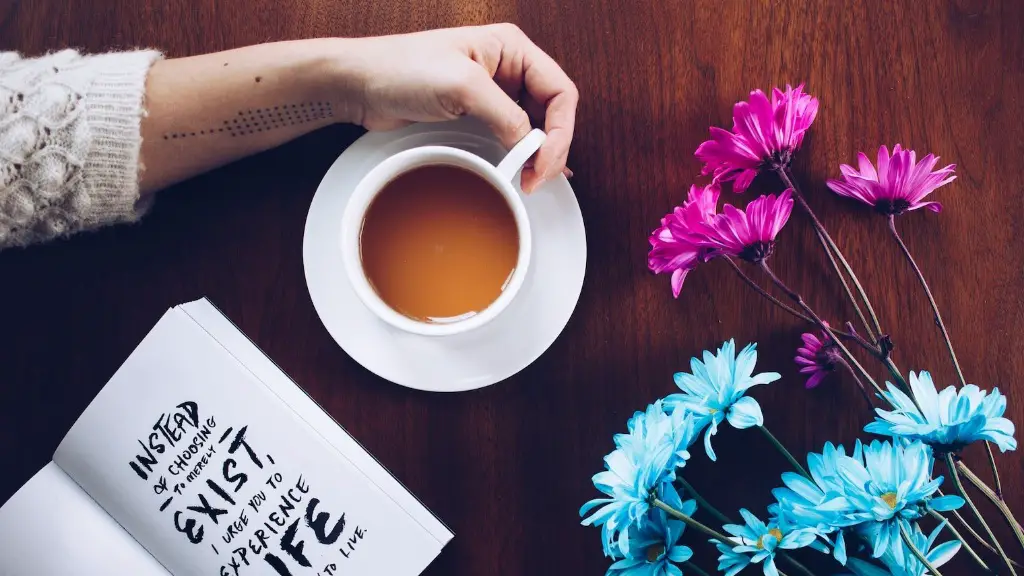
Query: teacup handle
520	153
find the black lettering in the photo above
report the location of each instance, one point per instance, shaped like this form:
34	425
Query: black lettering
293	549
241	478
157	447
220	491
242	552
277	564
194	536
239	441
190	414
147	460
234	565
261	541
205	508
319	524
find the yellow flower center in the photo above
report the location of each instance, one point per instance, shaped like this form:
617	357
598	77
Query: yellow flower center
774	532
890	498
655	552
713	411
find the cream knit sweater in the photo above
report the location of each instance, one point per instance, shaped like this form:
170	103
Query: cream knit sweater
69	142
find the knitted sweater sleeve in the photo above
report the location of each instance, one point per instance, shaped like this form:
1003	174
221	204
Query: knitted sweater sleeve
69	142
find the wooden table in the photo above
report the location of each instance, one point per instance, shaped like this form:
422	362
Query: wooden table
508	466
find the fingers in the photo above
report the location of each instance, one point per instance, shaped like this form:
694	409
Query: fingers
546	82
484	99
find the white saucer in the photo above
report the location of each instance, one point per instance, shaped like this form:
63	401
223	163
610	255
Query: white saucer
467	361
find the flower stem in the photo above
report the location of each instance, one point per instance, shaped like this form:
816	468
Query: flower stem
913	549
928	293
710	532
694	569
945	335
860	384
850	334
830	248
778	446
970	503
795	296
956	533
793	562
746	279
974	533
994	497
702	502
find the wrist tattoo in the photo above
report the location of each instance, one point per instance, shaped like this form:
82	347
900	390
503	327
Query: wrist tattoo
258	120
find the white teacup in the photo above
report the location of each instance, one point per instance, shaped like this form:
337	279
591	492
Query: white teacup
501	177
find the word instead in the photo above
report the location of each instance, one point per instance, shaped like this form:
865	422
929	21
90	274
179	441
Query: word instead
168	432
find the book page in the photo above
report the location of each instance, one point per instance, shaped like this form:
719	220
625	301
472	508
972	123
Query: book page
50	527
214	475
234	341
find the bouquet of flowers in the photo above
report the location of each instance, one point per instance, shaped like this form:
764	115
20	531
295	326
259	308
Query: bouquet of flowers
862	505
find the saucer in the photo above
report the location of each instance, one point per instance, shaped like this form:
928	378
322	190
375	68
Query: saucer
481	357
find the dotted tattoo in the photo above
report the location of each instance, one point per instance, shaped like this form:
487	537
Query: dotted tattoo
264	119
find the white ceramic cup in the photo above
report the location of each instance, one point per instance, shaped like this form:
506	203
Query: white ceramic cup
502	177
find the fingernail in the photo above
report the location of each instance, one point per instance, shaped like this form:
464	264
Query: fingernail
567	172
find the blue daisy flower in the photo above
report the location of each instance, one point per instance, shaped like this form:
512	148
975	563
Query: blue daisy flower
642	466
759	542
653	547
650	429
947	420
893	483
730	563
819	503
714	390
900	561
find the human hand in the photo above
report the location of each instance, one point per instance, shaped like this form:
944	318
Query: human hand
476	71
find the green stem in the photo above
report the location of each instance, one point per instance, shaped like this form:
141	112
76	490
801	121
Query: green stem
830	248
778	446
928	293
850	334
707	531
945	337
956	534
913	549
795	296
860	384
694	569
995	471
970	503
753	285
1011	521
702	502
793	562
711	532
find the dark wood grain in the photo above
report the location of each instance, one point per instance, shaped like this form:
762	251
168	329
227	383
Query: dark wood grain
508	466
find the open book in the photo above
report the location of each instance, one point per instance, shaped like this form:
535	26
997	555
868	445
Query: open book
201	457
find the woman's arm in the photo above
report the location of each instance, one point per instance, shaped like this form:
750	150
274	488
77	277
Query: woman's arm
206	111
85	141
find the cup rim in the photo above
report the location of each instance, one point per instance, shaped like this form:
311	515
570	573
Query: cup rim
376	180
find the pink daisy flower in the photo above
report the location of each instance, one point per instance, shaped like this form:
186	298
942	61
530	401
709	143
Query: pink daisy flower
818	357
748	234
675	245
899	184
765	134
